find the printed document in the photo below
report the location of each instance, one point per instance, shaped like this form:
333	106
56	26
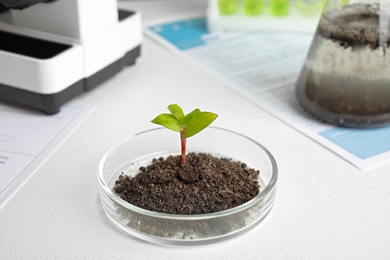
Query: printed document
263	67
28	137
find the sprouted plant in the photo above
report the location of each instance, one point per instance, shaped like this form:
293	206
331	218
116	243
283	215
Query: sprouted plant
187	125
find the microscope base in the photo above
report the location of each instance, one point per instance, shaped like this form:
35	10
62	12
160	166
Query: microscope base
50	103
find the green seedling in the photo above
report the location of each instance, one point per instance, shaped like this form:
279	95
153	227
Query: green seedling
187	125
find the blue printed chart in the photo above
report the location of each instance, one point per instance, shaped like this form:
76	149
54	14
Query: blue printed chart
276	59
363	143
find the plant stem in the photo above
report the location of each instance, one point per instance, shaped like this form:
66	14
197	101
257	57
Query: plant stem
183	148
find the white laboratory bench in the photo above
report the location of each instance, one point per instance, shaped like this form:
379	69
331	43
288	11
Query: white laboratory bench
325	207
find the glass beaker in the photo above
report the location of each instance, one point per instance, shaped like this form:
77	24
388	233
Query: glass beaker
345	79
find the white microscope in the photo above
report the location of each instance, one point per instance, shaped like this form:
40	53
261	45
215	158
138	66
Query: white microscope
52	51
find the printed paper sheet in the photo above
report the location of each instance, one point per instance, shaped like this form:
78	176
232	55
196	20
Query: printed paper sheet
263	67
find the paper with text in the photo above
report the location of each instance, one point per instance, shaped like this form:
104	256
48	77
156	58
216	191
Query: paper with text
263	67
28	137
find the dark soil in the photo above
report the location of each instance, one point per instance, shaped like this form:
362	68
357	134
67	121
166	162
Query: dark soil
344	103
206	184
340	25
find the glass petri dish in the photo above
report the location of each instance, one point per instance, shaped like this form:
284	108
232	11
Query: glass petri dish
185	230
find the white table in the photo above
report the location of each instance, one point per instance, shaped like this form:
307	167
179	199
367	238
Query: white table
325	208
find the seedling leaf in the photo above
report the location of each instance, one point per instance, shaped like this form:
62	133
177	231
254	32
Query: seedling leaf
199	121
188	125
187	119
176	111
168	121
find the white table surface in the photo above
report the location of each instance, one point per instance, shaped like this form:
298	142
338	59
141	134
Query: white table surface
325	208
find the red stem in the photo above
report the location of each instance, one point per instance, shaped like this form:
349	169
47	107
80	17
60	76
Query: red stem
183	148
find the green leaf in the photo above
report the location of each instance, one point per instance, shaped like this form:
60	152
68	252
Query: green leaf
189	117
168	121
197	121
176	111
188	125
